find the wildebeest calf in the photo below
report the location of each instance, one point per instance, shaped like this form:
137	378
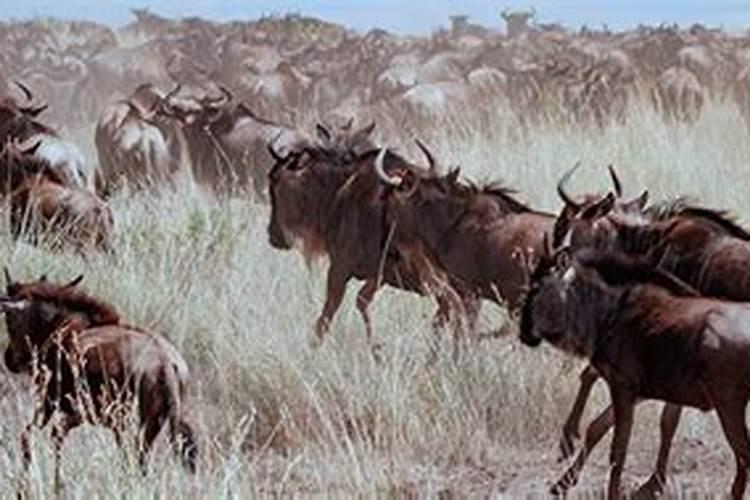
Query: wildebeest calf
650	336
96	367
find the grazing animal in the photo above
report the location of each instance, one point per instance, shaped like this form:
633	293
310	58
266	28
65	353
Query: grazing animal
139	142
42	205
702	247
92	368
476	234
20	123
337	210
651	337
228	144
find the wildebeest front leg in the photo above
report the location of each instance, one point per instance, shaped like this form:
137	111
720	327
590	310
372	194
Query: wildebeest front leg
670	419
571	428
364	299
594	433
335	289
624	404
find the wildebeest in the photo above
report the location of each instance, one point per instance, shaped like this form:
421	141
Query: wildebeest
228	144
702	247
679	95
650	336
21	123
89	367
43	206
476	234
139	142
337	210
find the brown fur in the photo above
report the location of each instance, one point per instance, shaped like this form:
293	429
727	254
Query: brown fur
474	232
339	209
650	337
80	342
41	203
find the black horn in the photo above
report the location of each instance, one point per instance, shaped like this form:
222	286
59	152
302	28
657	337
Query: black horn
427	154
615	180
561	187
25	90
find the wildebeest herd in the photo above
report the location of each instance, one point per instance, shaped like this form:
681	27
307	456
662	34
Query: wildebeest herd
652	295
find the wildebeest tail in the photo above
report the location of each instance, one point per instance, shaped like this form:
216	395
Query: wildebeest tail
181	432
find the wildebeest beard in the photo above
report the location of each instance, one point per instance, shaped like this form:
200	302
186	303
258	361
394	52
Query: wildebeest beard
573	314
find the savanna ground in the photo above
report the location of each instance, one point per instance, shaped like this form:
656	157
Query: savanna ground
277	418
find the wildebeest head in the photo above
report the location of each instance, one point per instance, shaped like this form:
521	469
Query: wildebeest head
33	311
417	195
21	121
344	145
300	186
574	296
586	222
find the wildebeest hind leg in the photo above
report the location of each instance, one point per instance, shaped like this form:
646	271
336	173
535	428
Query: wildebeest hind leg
571	428
670	419
732	417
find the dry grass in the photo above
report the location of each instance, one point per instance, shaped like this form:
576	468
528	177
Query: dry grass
277	418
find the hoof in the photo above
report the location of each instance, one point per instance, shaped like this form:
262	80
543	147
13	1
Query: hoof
567	446
653	488
315	341
377	352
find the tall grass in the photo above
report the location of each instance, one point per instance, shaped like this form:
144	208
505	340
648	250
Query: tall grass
276	417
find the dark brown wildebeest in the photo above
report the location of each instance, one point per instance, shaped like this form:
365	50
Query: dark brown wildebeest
650	336
476	234
139	142
228	144
92	368
702	247
43	206
20	123
337	210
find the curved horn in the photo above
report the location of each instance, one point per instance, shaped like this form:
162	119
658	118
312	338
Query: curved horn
380	169
8	279
272	151
561	189
615	180
173	92
227	93
25	90
75	281
428	155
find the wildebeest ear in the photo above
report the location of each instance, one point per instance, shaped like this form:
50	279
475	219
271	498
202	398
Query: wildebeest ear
562	259
638	203
77	280
43	278
600	208
8	304
323	133
364	132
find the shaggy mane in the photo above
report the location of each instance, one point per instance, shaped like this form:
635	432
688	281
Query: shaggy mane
619	270
683	207
99	312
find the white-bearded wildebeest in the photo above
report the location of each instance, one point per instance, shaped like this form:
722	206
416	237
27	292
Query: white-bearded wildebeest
43	206
20	123
91	368
139	143
702	247
228	144
650	336
337	210
476	234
